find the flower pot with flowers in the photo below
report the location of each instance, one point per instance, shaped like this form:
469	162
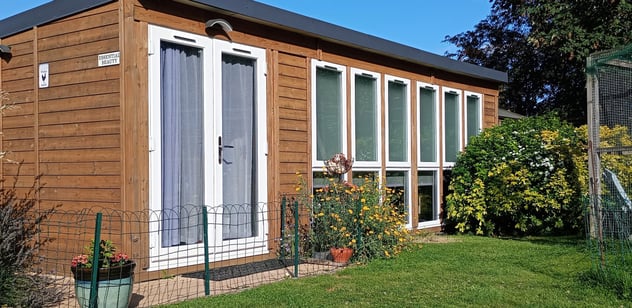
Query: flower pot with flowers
333	212
114	276
363	215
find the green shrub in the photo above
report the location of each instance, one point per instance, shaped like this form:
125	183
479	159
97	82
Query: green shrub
519	178
20	284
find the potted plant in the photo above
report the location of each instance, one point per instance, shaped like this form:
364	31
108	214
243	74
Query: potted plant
361	218
333	207
114	277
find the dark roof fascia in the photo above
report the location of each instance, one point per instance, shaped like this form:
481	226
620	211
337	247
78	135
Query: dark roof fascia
45	13
270	15
504	113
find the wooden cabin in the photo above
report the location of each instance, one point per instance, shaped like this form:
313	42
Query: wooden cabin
141	104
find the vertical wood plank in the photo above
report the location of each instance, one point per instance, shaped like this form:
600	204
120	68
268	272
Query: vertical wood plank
133	103
36	101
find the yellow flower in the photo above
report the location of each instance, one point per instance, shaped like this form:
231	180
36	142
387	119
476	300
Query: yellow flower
386	253
363	201
298	188
350	211
321	214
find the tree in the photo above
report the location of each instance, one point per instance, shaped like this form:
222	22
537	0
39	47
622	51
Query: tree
543	45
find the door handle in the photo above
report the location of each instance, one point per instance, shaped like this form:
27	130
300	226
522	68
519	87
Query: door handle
220	149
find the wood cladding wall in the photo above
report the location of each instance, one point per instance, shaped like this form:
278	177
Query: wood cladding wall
69	132
292	99
87	132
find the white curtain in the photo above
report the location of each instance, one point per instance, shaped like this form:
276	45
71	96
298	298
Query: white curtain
329	128
366	125
239	143
397	122
428	125
182	143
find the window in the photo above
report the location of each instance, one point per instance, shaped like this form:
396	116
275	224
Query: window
329	110
427	200
428	130
451	125
207	131
366	118
359	177
474	114
398	181
397	115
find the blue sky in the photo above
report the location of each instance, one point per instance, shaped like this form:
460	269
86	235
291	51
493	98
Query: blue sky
422	24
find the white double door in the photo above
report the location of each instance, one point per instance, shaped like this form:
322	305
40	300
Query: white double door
207	128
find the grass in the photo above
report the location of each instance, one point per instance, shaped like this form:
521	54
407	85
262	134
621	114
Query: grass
465	271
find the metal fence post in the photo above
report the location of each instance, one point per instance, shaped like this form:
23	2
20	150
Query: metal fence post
282	248
296	238
94	284
207	272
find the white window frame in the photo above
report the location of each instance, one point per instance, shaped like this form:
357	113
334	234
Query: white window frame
316	164
437	118
378	113
185	255
460	129
406	82
435	197
408	201
480	113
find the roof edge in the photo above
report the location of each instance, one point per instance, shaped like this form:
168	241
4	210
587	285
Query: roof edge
318	28
45	13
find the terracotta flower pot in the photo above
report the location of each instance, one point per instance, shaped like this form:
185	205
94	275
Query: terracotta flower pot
341	255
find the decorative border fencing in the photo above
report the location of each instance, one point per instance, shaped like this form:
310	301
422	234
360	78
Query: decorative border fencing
281	252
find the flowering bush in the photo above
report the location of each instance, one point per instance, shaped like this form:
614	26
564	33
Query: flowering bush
521	177
108	257
363	217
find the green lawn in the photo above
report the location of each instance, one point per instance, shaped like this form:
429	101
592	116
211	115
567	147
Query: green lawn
464	271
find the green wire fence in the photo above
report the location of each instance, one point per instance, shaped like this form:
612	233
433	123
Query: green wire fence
276	247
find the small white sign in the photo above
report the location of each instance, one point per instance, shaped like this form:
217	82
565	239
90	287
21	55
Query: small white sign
112	58
43	75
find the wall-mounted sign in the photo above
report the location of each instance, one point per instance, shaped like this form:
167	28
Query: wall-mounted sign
43	75
112	58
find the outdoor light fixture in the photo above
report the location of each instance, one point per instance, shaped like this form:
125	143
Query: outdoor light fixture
5	52
5	49
222	23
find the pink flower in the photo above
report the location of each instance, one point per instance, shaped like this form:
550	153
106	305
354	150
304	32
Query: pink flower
120	257
80	259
